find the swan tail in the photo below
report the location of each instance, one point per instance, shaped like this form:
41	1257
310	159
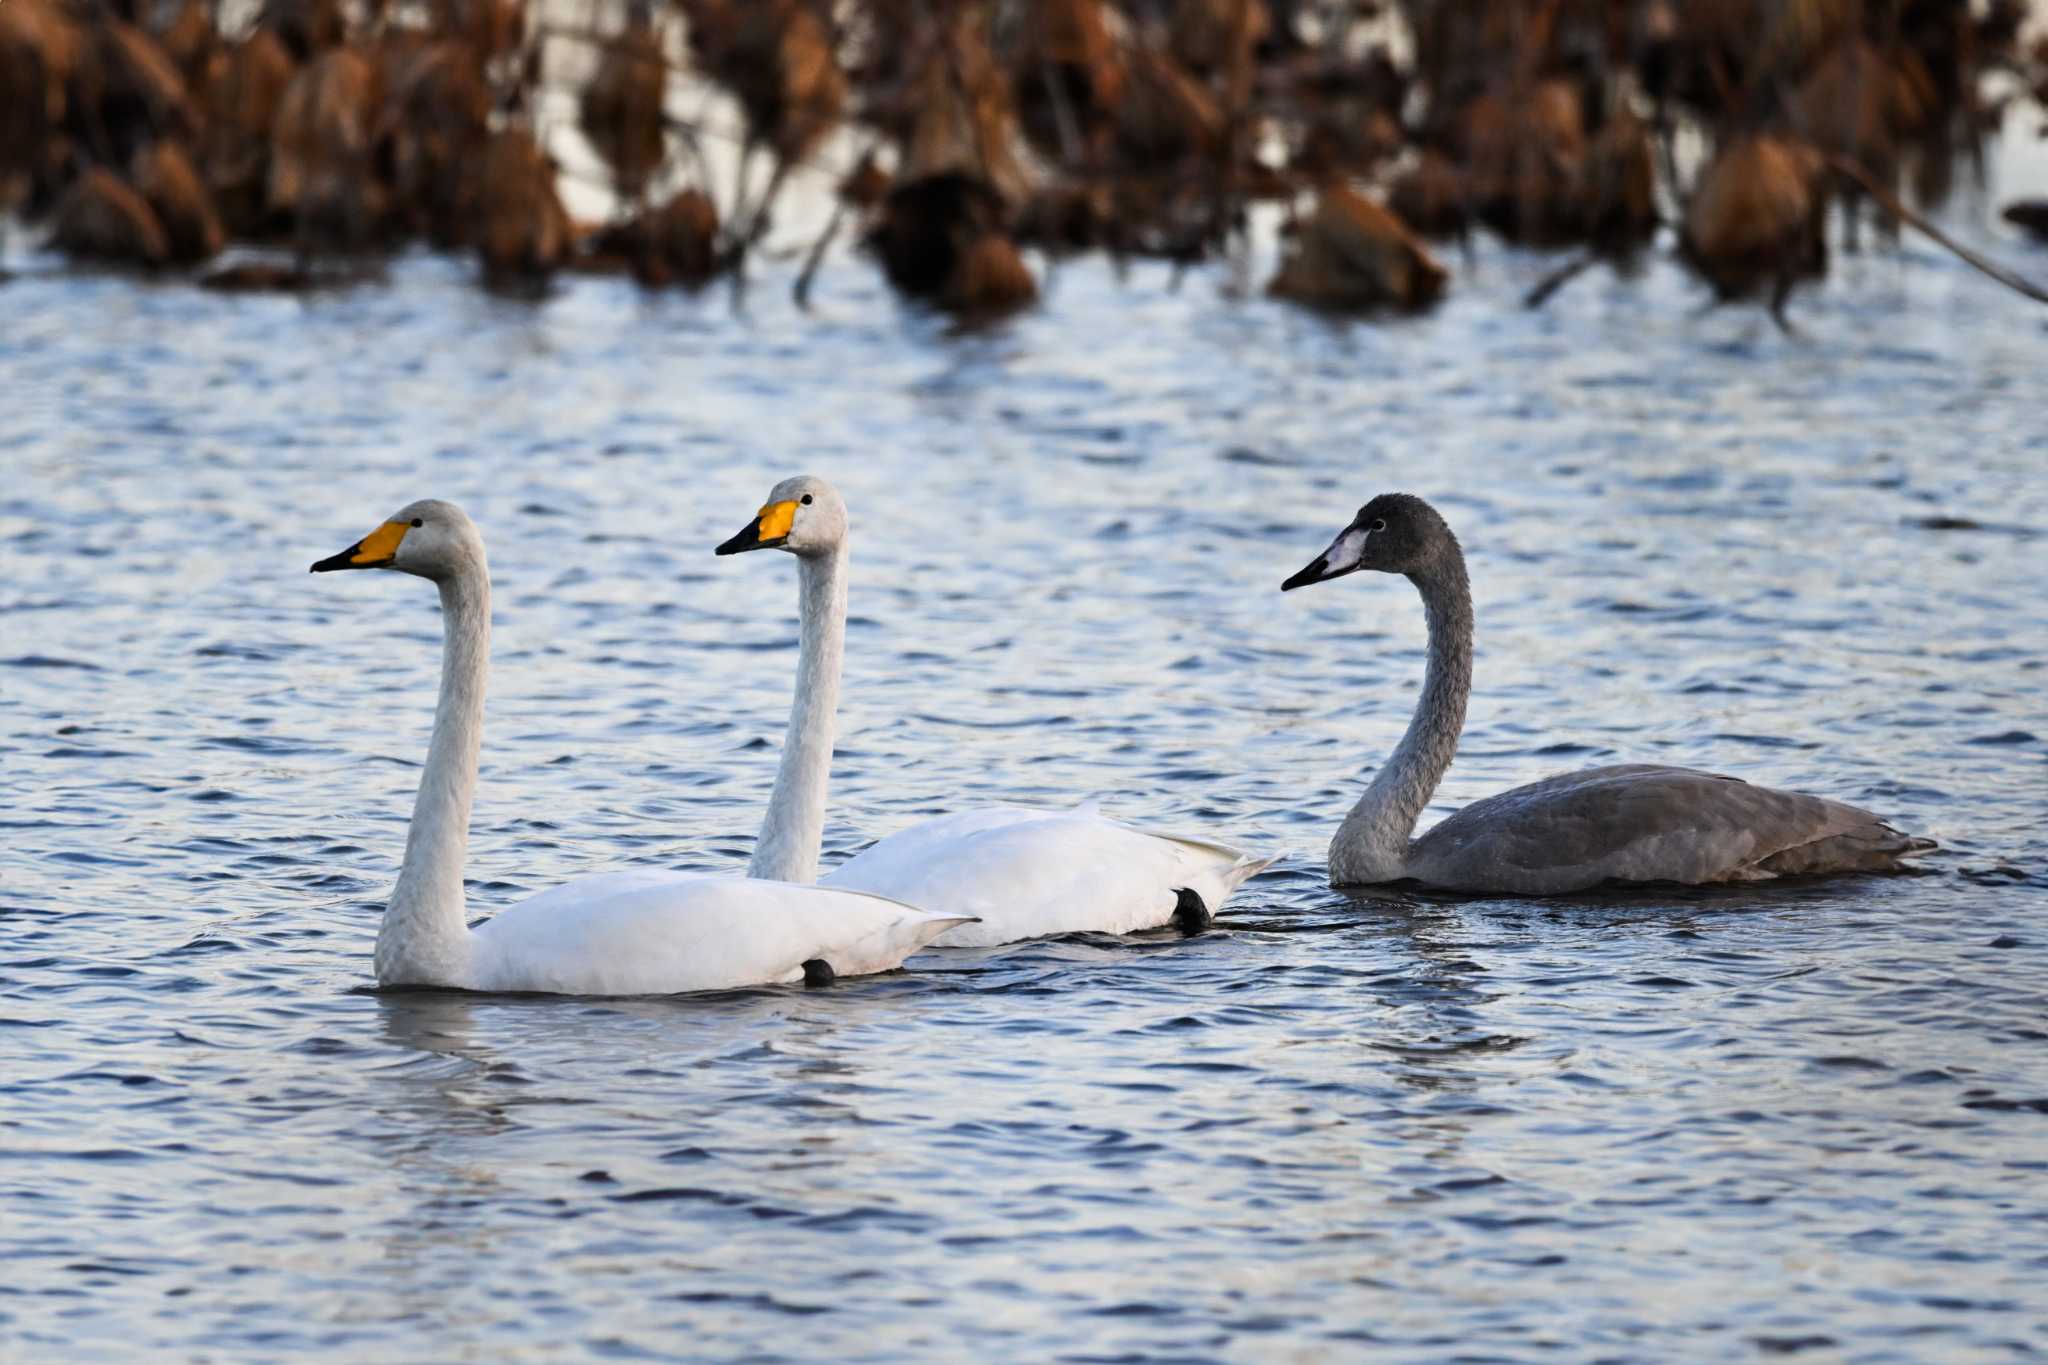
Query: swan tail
1875	847
885	948
1229	866
1239	865
1245	868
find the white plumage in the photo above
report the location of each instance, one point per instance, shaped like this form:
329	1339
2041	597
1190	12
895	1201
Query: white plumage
653	932
1023	873
647	932
1028	873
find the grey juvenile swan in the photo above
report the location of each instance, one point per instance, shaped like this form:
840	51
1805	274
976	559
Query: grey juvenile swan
1635	822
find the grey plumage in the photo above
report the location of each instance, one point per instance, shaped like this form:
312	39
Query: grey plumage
1628	823
1640	822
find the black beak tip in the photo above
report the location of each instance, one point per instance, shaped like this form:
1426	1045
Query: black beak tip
749	539
333	562
1312	574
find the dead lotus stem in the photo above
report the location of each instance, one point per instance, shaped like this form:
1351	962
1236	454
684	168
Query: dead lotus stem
1877	190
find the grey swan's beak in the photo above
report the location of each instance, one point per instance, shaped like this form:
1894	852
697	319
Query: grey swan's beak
1318	571
1345	555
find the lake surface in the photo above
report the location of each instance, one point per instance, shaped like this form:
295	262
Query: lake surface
1803	1120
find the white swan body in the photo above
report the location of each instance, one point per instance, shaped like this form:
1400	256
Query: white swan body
655	932
645	932
1028	873
1626	823
1022	873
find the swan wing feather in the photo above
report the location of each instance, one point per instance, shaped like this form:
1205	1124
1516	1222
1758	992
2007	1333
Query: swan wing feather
1642	822
651	932
1027	873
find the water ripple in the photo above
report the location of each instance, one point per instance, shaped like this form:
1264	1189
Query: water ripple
1804	1121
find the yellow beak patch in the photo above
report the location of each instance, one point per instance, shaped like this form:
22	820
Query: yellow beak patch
381	545
776	519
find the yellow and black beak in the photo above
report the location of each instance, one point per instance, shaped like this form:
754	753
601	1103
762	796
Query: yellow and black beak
769	529
373	551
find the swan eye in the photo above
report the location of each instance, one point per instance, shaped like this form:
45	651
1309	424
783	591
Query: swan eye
805	500
1378	525
419	521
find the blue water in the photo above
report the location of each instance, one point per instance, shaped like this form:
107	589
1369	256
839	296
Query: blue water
1806	1120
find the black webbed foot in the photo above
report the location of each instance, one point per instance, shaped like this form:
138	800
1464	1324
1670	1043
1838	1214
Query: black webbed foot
818	972
1190	915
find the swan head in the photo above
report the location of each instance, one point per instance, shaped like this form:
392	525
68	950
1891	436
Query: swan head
429	539
1394	533
804	515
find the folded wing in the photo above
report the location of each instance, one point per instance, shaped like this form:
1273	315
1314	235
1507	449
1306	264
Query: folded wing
1028	873
657	933
1648	823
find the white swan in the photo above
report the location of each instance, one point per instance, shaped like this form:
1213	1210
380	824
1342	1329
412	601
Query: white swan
1635	822
1018	873
645	932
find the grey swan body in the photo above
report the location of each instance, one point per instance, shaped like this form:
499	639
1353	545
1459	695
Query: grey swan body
1633	822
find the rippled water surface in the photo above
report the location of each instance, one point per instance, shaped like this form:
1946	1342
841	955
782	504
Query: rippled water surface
1799	1119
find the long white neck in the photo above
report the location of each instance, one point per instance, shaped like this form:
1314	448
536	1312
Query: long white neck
794	827
425	939
1372	843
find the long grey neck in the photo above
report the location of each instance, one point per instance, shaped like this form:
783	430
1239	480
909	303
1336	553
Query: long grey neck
1372	844
794	828
425	939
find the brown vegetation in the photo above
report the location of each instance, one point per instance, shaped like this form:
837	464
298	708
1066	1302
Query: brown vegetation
1755	218
620	110
190	41
1064	66
1618	194
674	244
1433	197
990	278
523	233
1524	155
168	182
39	57
149	134
321	175
943	238
954	112
434	125
131	92
1165	116
242	101
307	27
778	59
1352	253
1219	39
100	218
